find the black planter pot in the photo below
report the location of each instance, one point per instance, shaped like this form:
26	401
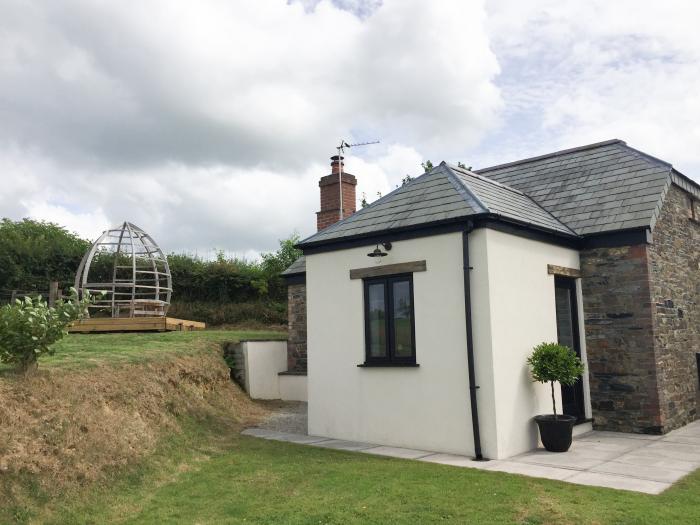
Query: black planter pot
556	431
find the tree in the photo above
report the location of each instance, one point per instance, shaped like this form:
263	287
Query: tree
30	327
551	362
406	180
427	166
463	166
363	202
274	263
32	253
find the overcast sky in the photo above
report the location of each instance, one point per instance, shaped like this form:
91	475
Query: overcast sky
209	122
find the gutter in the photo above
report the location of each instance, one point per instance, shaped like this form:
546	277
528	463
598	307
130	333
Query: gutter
470	344
409	232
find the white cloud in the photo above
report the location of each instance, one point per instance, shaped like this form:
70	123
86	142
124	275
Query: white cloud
580	72
208	123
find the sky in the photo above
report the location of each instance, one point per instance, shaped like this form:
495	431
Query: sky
209	123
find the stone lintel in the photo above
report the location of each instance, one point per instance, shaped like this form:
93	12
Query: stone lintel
562	270
388	269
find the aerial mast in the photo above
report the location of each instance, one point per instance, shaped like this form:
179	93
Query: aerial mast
341	155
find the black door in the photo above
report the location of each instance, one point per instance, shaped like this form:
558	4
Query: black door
568	335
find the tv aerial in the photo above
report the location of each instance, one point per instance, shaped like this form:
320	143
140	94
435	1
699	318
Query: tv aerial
341	154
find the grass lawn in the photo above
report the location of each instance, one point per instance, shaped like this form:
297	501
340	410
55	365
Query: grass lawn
209	475
84	350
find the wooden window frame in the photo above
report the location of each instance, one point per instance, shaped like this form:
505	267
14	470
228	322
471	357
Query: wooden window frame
389	359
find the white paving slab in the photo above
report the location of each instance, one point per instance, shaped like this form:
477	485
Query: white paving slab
457	461
571	460
681	438
397	452
636	462
670	450
653	473
609	444
302	439
535	471
675	464
340	444
611	481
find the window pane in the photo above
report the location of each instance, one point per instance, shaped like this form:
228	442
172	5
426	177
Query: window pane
377	320
565	325
403	337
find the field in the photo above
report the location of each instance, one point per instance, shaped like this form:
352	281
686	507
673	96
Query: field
206	472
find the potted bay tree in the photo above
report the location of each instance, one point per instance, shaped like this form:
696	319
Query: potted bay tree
550	363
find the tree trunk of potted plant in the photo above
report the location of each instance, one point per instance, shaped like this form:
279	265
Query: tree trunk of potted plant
552	363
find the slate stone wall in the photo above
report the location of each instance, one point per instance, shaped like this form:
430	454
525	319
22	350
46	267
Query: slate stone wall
675	292
296	313
619	339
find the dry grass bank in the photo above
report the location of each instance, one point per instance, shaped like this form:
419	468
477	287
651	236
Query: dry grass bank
63	427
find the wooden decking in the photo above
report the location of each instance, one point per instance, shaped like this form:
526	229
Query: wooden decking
134	324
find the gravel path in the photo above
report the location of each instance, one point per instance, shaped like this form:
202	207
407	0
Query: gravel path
287	416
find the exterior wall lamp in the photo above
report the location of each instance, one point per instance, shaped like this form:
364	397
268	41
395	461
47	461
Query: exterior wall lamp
377	252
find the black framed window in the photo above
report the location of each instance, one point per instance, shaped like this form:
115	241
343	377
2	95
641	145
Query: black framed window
389	321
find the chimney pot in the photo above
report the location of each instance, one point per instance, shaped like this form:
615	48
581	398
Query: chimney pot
330	195
336	163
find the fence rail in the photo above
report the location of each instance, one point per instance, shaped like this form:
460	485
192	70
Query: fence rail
52	294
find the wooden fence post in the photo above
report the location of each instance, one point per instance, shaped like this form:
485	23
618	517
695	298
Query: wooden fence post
13	297
53	292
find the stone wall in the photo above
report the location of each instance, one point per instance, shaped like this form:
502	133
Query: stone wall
296	312
619	339
675	292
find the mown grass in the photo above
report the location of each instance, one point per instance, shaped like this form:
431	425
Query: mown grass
206	476
209	473
84	350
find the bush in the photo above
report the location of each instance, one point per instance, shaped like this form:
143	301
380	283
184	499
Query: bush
32	253
266	313
551	362
220	291
29	327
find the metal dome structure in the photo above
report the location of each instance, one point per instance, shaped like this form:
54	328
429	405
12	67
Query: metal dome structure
128	272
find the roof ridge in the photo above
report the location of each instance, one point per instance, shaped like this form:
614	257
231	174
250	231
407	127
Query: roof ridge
505	187
470	198
648	157
369	205
372	204
553	154
489	180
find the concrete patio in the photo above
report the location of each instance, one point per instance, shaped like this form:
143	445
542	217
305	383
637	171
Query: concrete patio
635	462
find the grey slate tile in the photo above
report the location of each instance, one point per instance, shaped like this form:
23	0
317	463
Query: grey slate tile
592	189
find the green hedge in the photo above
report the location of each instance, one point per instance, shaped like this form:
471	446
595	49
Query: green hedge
230	313
220	291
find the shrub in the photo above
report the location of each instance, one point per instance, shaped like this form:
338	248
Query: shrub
29	327
264	313
552	362
32	253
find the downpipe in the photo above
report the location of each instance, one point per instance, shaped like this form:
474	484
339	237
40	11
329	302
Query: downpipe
473	387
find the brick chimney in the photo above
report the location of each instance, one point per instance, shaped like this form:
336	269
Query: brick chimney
330	195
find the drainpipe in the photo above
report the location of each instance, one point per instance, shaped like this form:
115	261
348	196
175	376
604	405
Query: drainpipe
470	344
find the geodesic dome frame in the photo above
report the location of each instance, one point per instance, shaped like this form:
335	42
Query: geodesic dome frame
131	272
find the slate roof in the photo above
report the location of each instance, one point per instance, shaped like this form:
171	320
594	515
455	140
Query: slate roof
445	193
602	187
296	268
594	189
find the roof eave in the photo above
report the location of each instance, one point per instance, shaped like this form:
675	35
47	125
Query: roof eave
434	228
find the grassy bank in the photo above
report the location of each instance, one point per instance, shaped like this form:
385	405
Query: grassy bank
212	476
103	405
86	350
147	430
